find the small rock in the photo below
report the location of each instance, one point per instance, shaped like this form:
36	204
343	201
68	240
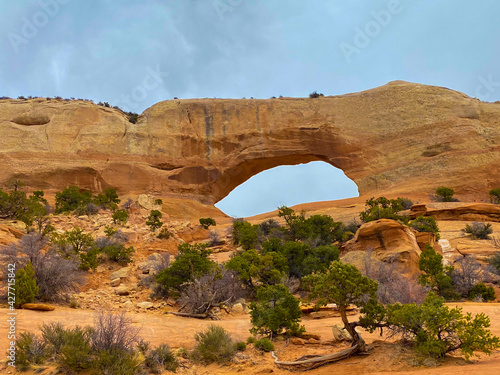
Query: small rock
313	341
265	370
120	274
318	314
307	336
238	308
297	341
115	282
144	267
430	362
145	305
122	291
128	304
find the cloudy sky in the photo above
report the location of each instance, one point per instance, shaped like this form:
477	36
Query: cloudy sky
105	49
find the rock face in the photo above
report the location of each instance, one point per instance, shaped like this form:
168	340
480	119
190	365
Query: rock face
401	138
389	242
471	212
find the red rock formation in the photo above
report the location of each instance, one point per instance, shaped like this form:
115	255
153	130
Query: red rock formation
400	138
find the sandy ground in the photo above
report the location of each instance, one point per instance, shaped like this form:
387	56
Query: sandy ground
179	332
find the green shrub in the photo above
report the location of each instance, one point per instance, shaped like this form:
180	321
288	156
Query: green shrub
435	328
75	354
276	310
214	345
435	275
264	344
54	335
425	224
383	208
241	346
71	198
88	259
120	216
495	195
315	95
154	221
107	200
91	209
191	261
445	194
161	358
206	222
26	288
115	362
109	231
119	253
251	340
486	293
158	202
164	234
478	230
494	261
30	350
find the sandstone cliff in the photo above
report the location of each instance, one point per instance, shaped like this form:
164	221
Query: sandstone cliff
401	138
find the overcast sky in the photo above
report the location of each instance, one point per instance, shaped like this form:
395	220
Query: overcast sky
134	53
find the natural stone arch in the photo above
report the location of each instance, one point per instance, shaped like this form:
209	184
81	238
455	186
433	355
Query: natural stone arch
399	139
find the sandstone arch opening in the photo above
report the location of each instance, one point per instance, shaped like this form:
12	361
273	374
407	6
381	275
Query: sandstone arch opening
288	185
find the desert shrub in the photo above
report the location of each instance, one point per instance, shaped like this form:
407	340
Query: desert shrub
153	220
91	209
241	346
214	238
191	261
495	195
119	253
132	117
250	339
267	226
494	262
158	202
89	259
54	335
434	328
434	275
264	344
252	267
274	311
206	222
445	194
467	272
113	332
164	234
201	295
161	358
75	239
425	224
477	230
392	286
120	216
127	205
56	277
213	345
315	95
30	350
115	362
107	200
405	203
245	234
75	353
383	208
17	205
71	198
26	288
480	290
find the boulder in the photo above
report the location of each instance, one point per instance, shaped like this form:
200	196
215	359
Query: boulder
388	241
115	282
145	305
120	274
37	306
122	290
238	308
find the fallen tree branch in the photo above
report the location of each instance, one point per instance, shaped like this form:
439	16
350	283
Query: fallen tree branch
311	362
190	315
